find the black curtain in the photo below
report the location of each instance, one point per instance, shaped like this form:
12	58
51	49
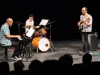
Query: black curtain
66	13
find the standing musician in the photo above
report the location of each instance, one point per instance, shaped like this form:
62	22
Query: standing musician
30	23
86	23
5	38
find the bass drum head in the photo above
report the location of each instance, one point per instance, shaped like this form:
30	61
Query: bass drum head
44	44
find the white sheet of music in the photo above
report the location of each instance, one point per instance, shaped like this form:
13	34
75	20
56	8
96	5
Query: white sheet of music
30	32
44	22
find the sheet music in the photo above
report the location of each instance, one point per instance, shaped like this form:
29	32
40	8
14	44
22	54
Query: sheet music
30	32
44	22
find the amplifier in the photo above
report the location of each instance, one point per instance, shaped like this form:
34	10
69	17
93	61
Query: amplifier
94	41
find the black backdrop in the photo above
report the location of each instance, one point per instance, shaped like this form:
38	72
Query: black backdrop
66	13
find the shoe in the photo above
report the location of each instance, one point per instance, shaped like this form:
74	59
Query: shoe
90	53
15	58
19	58
81	52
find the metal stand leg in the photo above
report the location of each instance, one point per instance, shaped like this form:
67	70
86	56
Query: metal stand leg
37	50
30	52
6	54
86	42
52	47
26	52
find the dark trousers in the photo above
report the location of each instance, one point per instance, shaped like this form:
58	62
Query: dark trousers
17	51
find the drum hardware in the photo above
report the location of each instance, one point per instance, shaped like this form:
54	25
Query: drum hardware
40	33
42	43
19	23
28	26
27	52
52	45
26	49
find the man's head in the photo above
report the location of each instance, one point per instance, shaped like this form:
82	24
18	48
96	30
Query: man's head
31	17
87	58
84	10
9	21
66	59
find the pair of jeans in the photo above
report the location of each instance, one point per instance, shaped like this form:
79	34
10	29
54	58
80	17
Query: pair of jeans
86	44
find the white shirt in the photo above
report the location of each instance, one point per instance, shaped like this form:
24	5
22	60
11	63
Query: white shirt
29	23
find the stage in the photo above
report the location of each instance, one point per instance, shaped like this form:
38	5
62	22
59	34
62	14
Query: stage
61	47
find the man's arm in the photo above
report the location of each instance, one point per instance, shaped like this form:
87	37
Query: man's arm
7	33
80	22
12	36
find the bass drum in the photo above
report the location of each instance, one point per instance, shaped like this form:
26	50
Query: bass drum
43	44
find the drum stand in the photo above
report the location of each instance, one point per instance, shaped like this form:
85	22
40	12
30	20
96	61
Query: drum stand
19	29
52	46
26	52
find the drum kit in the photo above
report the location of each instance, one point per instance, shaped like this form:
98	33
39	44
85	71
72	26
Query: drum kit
39	39
40	42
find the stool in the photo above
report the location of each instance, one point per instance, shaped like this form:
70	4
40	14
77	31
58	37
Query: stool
6	50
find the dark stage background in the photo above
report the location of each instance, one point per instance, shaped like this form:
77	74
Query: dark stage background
66	13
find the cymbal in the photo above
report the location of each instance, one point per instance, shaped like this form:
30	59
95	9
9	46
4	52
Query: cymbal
18	22
28	26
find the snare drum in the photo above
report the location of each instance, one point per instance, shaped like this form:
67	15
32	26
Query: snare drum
40	32
43	44
43	31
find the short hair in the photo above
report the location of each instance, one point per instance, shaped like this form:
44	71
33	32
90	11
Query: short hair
85	8
31	16
87	58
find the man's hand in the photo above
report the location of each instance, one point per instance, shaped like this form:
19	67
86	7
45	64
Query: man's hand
80	22
17	36
86	23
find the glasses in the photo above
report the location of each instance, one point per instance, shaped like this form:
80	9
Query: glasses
83	10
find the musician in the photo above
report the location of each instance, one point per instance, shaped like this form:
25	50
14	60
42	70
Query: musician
86	21
30	22
5	38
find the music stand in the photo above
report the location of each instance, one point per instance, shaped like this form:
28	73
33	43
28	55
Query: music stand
26	45
30	32
44	22
86	39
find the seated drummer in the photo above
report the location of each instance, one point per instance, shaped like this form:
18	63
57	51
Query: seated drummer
5	38
30	23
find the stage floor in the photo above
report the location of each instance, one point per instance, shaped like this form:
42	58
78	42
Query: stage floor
61	48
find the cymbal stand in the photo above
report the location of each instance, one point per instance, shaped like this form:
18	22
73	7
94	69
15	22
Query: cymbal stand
19	28
52	46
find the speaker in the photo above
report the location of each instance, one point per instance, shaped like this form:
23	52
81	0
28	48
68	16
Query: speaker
94	41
